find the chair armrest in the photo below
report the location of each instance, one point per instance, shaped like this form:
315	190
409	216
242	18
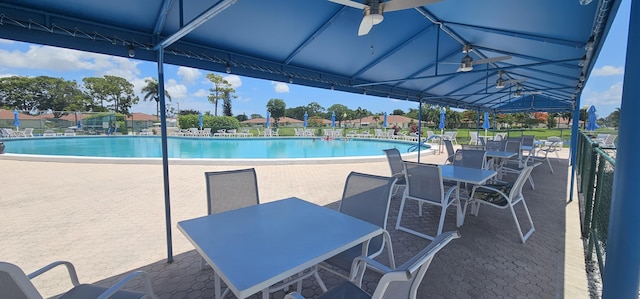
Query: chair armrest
70	268
293	295
145	279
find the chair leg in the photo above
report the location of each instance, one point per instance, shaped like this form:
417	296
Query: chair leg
550	167
523	237
400	212
443	214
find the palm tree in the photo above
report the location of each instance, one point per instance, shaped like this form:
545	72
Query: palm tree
151	93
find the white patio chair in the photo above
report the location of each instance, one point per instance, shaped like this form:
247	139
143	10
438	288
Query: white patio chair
69	132
552	145
609	141
397	168
402	282
14	283
206	132
515	165
474	138
505	196
366	197
28	132
451	136
425	185
49	133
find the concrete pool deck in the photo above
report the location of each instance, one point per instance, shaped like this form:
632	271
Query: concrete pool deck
108	219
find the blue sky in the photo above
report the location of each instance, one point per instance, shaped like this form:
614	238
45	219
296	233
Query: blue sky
189	87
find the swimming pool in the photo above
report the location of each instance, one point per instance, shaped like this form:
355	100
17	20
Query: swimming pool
202	148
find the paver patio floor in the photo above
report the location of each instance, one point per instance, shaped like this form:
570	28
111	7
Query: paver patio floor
108	219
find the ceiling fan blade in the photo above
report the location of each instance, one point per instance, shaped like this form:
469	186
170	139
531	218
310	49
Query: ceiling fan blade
491	60
365	25
350	3
506	82
532	92
404	4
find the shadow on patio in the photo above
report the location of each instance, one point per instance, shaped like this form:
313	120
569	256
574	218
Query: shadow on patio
489	260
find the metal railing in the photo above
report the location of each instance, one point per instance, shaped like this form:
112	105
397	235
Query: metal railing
595	167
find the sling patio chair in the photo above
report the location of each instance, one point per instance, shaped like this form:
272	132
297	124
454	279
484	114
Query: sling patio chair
397	169
425	185
450	151
14	283
474	138
515	164
400	283
505	196
366	197
235	189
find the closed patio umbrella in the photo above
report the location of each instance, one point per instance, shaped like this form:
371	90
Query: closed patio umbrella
333	119
441	125
306	118
486	125
384	120
591	123
16	119
266	124
200	120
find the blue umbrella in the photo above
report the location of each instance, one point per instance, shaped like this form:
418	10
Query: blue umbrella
306	117
333	119
442	113
591	124
486	125
200	120
384	121
79	125
266	124
16	119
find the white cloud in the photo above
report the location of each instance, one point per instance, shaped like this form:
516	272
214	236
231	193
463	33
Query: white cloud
6	41
189	75
280	87
611	96
200	93
234	80
177	91
7	75
56	59
608	70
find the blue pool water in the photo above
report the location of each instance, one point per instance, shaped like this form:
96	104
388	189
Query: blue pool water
213	148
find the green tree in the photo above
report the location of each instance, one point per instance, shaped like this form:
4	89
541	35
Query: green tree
256	115
242	117
276	108
226	103
151	91
360	113
397	112
314	109
117	92
341	112
221	90
296	112
613	120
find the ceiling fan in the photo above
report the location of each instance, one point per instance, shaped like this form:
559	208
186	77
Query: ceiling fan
520	92
373	10
501	83
467	62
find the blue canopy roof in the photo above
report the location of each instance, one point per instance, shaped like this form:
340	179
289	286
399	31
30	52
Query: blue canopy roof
413	54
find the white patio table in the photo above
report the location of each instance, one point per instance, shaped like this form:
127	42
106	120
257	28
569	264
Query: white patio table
256	247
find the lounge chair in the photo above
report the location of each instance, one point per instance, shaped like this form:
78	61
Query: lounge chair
402	282
69	132
14	283
48	133
28	132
